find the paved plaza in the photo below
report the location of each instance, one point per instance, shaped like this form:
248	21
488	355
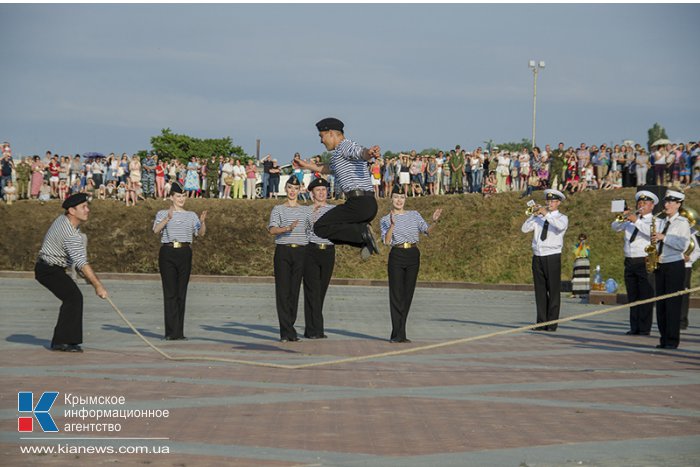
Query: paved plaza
585	395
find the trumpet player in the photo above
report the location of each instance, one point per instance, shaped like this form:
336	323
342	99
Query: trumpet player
639	283
549	226
672	241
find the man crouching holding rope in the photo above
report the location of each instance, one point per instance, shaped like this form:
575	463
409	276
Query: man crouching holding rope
64	247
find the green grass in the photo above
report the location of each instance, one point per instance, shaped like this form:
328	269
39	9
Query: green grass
478	240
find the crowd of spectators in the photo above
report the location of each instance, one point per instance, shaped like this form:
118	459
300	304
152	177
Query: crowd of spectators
132	178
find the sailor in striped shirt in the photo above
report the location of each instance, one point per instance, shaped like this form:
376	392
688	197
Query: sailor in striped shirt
318	263
349	223
177	229
63	247
288	225
400	229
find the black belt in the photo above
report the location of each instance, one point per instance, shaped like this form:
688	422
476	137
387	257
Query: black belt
45	263
353	193
291	245
177	244
321	246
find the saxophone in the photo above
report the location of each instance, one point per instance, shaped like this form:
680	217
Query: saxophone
652	258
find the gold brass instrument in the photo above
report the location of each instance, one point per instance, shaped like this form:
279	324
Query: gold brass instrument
652	259
622	217
692	216
531	210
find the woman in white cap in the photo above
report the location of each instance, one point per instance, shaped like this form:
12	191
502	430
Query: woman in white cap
549	226
671	241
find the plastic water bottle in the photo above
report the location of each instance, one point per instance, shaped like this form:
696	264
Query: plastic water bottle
598	278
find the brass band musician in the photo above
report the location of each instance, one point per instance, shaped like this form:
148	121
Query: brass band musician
549	226
638	281
672	239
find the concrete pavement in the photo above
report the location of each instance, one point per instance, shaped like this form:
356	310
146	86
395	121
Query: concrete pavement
585	395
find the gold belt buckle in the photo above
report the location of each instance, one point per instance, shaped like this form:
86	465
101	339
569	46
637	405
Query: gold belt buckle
177	245
322	246
293	245
407	245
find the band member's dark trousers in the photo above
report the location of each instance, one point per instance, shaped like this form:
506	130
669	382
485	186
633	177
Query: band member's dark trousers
344	224
289	269
318	269
69	327
639	287
175	267
402	268
685	302
669	279
546	273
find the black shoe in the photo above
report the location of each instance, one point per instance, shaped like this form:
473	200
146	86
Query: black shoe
661	346
320	336
66	348
405	341
643	333
551	329
293	339
368	238
541	328
394	340
633	333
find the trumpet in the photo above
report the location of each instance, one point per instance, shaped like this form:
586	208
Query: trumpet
531	210
623	217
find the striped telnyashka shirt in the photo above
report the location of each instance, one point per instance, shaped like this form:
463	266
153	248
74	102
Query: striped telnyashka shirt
313	217
182	227
283	216
407	226
350	169
63	245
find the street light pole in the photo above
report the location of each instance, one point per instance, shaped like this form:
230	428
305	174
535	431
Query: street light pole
535	67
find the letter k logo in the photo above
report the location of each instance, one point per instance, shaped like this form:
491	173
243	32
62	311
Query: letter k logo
25	403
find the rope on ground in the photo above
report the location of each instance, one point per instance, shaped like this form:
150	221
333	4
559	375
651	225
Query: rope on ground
402	351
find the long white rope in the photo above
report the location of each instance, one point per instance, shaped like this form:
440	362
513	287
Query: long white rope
396	352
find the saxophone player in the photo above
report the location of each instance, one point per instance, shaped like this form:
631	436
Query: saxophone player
549	226
638	282
672	240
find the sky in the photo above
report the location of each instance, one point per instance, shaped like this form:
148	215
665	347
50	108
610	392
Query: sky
106	78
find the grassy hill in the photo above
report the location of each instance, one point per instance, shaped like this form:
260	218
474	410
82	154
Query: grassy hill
478	240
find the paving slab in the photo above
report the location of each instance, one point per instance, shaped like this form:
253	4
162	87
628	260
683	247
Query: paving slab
584	395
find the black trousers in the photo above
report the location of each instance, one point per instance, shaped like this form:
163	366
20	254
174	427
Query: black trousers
344	224
546	273
289	270
685	299
669	279
175	267
318	269
69	327
403	267
639	287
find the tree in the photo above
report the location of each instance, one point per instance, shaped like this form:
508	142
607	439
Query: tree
169	145
512	146
655	133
